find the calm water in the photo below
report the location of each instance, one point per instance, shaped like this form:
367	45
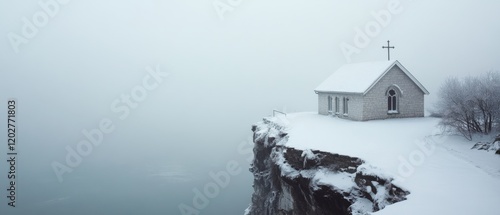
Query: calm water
137	169
137	185
124	189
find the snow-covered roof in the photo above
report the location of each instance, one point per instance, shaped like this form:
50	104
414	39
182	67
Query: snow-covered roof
361	77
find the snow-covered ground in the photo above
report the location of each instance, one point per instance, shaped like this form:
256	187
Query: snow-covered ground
442	173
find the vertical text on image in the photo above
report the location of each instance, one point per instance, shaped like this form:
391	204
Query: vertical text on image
11	151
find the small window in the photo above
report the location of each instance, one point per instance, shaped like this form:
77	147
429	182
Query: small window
392	102
346	106
337	105
330	106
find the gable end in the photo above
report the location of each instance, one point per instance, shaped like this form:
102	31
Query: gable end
405	71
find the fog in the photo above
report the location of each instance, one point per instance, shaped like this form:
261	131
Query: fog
226	70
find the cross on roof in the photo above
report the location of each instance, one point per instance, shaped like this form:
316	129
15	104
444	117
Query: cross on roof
388	47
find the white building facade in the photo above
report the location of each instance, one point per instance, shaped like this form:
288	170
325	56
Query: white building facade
371	90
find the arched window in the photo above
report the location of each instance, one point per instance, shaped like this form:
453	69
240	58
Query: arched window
392	101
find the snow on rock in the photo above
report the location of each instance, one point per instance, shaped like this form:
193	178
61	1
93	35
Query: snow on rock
306	163
489	146
292	181
309	156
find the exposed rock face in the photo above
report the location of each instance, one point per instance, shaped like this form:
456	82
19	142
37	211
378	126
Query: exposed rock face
487	146
295	182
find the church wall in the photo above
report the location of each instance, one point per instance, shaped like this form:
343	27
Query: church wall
355	106
411	102
323	103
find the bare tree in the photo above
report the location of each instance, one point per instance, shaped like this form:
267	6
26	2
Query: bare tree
470	105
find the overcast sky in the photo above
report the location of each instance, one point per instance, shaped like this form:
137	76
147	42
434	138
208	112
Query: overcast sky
228	67
285	48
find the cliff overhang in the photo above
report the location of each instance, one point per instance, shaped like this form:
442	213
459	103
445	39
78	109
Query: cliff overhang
293	181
